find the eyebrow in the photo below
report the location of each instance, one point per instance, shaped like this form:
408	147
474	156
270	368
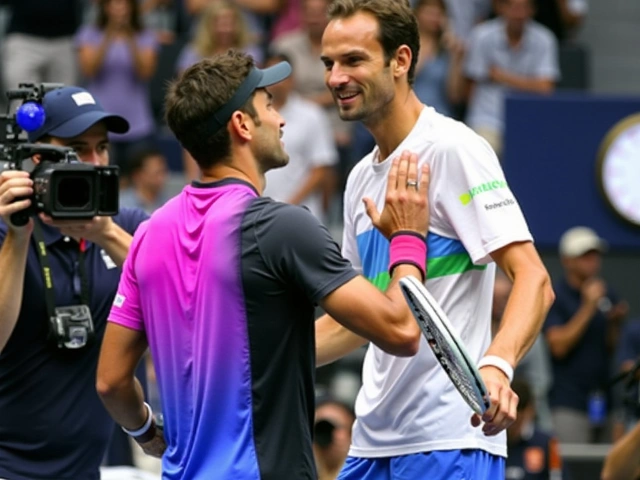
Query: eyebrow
349	53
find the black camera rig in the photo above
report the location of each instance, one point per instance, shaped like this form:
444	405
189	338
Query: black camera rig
64	187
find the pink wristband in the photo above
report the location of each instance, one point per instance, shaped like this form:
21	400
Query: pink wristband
408	248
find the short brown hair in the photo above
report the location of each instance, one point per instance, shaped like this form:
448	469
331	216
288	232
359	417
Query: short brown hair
197	94
397	25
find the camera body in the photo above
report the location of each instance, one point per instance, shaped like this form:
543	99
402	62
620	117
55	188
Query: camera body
64	187
72	327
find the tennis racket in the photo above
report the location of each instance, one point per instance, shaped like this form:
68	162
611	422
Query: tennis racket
446	344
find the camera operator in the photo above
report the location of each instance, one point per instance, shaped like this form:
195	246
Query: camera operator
332	436
52	423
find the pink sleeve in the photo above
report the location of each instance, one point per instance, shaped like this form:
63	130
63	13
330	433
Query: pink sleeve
126	309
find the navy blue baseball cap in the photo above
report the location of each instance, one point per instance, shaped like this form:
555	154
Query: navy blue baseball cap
70	111
257	78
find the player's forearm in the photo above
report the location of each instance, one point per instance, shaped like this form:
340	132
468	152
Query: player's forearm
529	302
13	261
623	461
116	243
333	341
563	338
124	402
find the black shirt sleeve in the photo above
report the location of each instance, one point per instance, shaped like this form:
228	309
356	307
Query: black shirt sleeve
300	250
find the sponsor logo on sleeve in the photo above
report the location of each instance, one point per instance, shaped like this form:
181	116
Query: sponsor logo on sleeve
119	300
504	203
467	197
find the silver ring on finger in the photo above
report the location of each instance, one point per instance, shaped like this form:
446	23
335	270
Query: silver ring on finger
412	183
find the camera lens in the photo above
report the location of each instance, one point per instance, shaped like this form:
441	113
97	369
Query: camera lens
73	193
323	433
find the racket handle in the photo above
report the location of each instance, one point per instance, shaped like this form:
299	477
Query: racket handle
497	362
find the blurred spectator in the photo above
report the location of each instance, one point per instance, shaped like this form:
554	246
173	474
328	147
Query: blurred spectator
533	454
332	436
309	142
622	461
582	330
562	17
221	26
117	57
439	65
535	367
304	47
38	46
164	17
466	14
148	181
628	369
508	53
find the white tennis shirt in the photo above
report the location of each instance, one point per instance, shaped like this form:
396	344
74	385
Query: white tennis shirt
409	405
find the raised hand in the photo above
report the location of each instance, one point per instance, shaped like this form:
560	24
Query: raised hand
406	204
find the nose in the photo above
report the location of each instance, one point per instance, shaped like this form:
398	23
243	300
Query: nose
336	77
92	157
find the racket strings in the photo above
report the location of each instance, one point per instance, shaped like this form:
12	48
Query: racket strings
447	359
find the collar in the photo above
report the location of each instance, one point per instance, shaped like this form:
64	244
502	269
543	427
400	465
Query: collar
224	182
50	234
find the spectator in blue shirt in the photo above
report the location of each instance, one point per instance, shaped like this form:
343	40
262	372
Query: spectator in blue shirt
581	330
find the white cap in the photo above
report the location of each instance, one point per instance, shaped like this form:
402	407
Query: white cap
579	240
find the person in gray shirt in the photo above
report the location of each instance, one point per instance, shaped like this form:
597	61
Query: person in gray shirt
508	53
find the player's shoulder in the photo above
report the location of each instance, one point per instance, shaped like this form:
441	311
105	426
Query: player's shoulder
265	212
130	219
448	135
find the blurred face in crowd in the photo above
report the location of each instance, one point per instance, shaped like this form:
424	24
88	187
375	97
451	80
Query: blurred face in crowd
431	16
585	266
91	146
356	72
118	11
224	27
314	17
334	454
516	13
152	177
266	145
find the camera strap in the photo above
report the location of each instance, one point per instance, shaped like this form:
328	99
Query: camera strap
45	265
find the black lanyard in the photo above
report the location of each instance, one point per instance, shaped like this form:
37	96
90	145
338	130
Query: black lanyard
47	276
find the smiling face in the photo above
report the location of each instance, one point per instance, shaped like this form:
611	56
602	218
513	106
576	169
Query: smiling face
356	71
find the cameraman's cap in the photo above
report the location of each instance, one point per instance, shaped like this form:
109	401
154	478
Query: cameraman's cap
70	111
257	78
577	241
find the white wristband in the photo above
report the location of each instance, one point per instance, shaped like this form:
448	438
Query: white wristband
499	363
144	428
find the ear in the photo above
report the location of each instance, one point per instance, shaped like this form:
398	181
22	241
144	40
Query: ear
401	63
240	126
